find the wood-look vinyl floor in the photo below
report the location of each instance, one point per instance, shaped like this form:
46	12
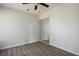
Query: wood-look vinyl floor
35	49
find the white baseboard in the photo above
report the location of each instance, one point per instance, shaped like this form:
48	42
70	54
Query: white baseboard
18	45
65	49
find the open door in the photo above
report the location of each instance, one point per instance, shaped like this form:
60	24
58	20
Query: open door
45	30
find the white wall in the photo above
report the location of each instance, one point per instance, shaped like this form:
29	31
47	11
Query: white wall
45	31
17	28
64	27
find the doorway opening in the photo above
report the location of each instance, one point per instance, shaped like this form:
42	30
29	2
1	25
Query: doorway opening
45	30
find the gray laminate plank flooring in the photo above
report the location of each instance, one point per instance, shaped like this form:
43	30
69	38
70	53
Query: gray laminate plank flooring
35	49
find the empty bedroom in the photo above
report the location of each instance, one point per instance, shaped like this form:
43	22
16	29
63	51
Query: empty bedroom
39	29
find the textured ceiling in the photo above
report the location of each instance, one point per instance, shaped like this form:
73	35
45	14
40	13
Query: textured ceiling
29	8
